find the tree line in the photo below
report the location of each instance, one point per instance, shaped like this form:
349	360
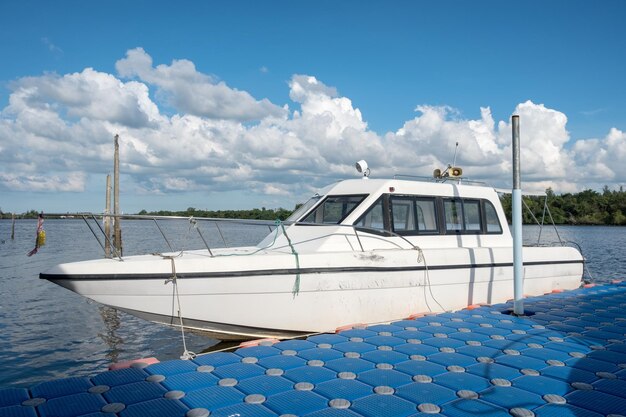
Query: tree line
587	207
253	214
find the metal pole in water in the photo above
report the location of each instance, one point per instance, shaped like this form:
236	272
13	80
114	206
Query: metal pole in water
107	220
117	228
13	226
518	262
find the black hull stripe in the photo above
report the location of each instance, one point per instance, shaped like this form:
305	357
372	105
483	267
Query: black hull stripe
294	271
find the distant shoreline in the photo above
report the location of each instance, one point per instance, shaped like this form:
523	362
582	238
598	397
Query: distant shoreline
586	208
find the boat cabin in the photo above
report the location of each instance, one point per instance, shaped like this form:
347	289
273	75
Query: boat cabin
411	209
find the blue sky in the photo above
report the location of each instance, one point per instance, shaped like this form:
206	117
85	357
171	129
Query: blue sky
374	64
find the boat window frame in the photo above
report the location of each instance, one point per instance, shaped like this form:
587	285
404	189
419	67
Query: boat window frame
460	201
486	231
323	201
437	210
384	201
410	213
414	198
440	220
481	223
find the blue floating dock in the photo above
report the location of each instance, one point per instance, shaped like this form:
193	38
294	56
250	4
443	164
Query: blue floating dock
566	358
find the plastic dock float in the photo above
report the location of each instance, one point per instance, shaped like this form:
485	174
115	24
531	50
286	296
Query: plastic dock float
566	358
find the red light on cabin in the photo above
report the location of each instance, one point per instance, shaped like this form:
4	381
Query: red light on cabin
392	189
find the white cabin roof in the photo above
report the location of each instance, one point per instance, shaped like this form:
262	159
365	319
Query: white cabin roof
402	187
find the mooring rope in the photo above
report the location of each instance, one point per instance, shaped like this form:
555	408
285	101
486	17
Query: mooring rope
296	284
174	279
421	257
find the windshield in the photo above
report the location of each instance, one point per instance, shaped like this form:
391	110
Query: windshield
334	209
303	208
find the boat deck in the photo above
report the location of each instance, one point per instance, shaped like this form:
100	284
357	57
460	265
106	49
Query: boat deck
566	358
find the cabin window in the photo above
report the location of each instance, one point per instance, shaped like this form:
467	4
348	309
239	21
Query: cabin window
426	215
471	215
374	218
334	209
403	214
491	217
462	215
453	212
423	215
413	215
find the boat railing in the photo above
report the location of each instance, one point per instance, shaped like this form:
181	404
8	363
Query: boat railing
421	178
547	221
218	238
107	242
546	217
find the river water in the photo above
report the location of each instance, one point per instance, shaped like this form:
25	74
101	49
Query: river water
48	332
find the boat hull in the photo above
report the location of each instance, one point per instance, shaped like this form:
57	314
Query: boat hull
275	297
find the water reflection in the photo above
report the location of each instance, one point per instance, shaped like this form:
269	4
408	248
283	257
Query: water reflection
111	320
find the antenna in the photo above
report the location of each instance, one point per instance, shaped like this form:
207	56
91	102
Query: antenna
454	159
452	171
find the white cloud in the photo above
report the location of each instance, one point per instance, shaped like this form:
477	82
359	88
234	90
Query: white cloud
304	87
192	92
57	132
432	136
68	182
428	141
603	159
543	136
89	94
329	127
270	189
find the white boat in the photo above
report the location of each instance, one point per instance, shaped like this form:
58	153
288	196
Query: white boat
360	251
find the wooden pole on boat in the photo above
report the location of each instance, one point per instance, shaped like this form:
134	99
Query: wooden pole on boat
516	200
107	220
117	228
